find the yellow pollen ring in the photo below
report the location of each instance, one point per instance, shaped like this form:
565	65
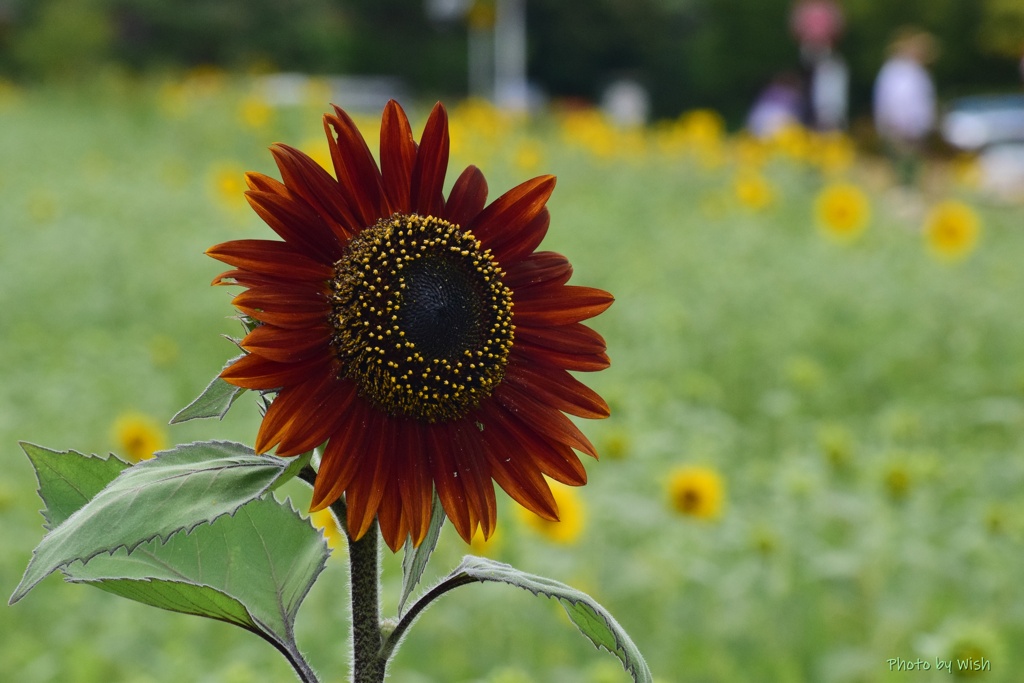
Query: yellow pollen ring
422	320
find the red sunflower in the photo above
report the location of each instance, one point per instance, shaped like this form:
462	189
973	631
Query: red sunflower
423	339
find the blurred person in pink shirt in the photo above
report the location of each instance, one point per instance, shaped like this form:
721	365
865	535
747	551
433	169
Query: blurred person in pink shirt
818	26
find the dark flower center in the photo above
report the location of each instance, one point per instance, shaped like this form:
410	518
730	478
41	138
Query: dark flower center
690	500
422	322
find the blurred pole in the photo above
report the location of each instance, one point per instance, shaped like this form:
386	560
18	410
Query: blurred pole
480	19
510	55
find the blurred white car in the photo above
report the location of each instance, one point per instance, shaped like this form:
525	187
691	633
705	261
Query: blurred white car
993	128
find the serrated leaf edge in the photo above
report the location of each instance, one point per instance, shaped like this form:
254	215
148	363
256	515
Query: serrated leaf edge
27	445
21	591
626	648
265	630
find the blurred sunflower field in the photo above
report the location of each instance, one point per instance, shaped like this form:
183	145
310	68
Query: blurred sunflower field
813	468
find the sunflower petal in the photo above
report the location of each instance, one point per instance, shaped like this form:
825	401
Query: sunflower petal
391	516
363	496
427	191
290	308
358	176
416	486
261	182
474	470
306	178
271	257
539	268
287	346
340	461
577	362
294	296
297	223
559	305
558	389
519	476
244	278
303	417
515	223
573	338
545	419
467	198
397	157
255	372
554	459
450	487
530	237
280	416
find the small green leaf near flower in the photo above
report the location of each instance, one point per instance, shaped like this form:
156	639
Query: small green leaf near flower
215	401
414	559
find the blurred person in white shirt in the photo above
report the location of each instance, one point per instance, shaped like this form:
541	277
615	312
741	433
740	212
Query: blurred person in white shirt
904	101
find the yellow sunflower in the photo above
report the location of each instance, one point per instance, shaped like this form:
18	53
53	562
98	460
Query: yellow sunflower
568	527
951	229
898	482
528	155
328	524
138	436
753	191
486	547
255	113
696	492
793	141
701	128
227	185
842	211
834	152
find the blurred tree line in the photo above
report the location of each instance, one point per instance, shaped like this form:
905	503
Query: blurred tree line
689	53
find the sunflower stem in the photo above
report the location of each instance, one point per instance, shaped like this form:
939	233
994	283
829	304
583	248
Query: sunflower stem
368	661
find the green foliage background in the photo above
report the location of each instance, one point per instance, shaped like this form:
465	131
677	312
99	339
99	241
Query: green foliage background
804	371
689	53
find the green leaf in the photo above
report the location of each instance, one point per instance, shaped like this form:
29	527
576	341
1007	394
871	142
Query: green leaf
68	479
175	596
414	560
252	569
215	401
591	618
177	490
